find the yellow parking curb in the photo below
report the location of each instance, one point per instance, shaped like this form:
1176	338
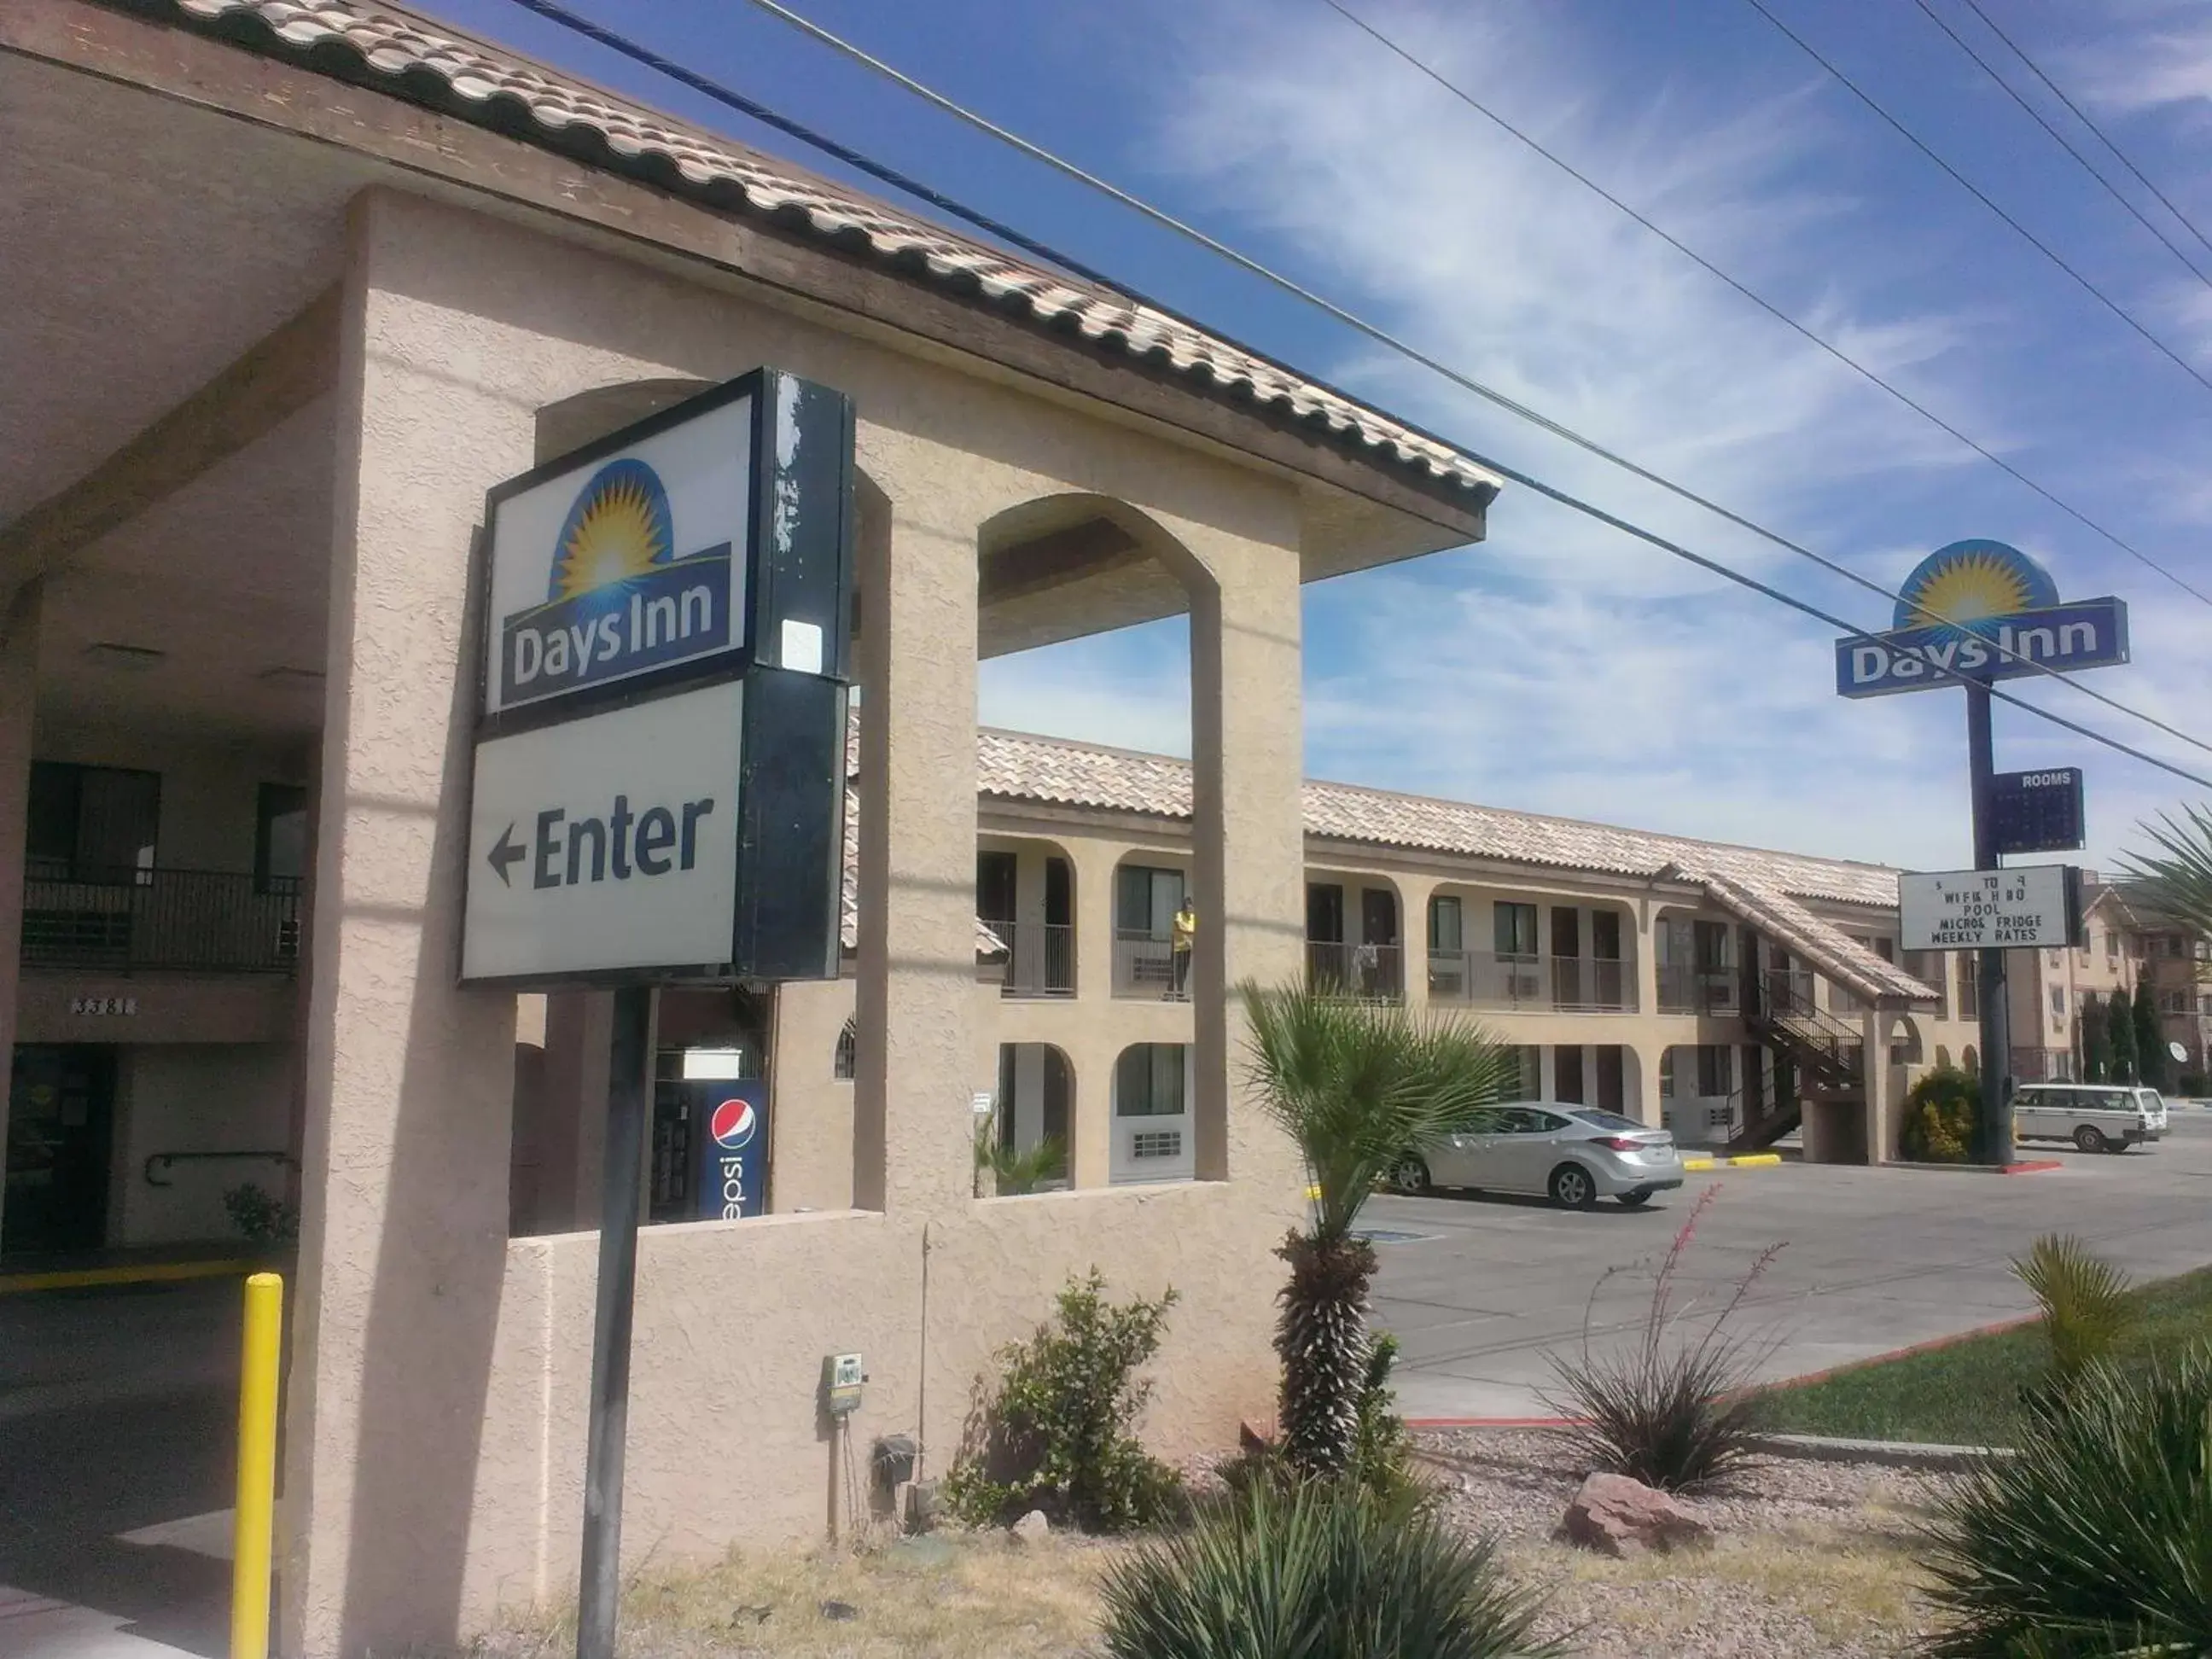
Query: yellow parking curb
144	1273
1743	1161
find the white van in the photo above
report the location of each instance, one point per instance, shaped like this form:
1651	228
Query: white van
2098	1117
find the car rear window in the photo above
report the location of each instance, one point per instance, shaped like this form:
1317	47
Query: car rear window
1608	1120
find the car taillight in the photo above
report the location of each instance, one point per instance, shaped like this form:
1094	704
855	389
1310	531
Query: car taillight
1622	1143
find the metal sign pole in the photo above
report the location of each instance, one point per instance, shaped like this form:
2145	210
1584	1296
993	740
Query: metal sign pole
1993	1126
598	1591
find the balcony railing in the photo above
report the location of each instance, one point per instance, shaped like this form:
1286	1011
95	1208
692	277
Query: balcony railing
1685	989
1040	959
1143	963
129	920
1483	979
1365	972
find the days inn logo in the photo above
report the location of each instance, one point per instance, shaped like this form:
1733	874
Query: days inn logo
1985	610
618	601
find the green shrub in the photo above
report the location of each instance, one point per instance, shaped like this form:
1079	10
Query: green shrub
1017	1172
1939	1116
1316	1569
1057	1436
2085	1304
2192	1086
259	1217
2095	1538
1673	1407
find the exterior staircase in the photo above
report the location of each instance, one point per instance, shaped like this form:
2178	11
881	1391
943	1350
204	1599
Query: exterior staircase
1822	1051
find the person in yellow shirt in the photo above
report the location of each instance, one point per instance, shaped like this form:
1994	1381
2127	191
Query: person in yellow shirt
1185	931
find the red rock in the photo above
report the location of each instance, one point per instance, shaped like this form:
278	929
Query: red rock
1615	1516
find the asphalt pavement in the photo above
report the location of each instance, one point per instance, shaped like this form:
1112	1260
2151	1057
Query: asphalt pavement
1481	1290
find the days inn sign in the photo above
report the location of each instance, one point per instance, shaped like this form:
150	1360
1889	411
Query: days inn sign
1985	611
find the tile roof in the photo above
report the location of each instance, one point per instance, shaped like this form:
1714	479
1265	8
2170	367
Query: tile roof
413	57
1764	888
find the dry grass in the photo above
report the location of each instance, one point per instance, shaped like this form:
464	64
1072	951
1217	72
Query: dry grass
949	1596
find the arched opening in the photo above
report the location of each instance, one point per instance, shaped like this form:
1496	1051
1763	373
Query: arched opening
1024	1146
1972	1060
1153	1128
1025	899
1942	1056
844	1064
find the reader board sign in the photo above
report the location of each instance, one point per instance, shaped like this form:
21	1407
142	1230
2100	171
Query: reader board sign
607	842
2001	618
2040	906
2038	812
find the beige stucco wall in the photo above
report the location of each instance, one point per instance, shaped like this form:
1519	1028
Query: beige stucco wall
439	1392
197	1098
211	786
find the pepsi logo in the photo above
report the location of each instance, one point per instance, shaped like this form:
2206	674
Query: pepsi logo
733	1124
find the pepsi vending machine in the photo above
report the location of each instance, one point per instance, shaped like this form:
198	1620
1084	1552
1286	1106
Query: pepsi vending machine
729	1121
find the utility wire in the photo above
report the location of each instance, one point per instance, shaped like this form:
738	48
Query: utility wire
2103	137
1382	336
1983	197
2064	141
1757	299
556	13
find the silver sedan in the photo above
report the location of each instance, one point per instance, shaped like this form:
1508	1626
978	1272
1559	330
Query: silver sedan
1574	1155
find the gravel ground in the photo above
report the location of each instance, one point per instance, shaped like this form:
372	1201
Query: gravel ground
1812	1559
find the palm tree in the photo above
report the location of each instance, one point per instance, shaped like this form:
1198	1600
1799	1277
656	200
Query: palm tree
1357	1086
2177	877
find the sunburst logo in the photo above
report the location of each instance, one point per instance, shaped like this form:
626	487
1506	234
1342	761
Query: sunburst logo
1962	588
618	530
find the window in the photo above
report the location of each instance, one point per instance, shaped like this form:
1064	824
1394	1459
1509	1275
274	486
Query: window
1567	1075
1531	1081
1713	1071
1712	941
280	839
847	1064
1148	1080
91	824
1667	1073
2174	1002
2113	946
1446	937
2058	999
1514	929
1610	1121
994	888
1145	900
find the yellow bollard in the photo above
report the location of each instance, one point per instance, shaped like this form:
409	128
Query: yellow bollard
256	1520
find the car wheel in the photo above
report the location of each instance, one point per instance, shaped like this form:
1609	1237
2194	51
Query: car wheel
2089	1137
1572	1189
1636	1199
1410	1174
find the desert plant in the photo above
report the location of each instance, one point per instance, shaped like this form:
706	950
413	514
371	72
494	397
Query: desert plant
1015	1171
2193	1085
1316	1569
2152	1064
260	1218
1673	1408
2120	1036
1056	1435
1939	1116
2176	879
2085	1302
2096	1029
1355	1085
2095	1536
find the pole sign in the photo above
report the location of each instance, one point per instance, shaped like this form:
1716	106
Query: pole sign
2038	812
1978	608
659	781
2037	907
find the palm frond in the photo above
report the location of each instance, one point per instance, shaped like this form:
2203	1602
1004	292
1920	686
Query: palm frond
2177	877
1355	1085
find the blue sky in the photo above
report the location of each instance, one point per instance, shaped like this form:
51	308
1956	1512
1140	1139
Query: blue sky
1558	667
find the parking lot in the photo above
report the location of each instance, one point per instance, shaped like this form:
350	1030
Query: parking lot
1479	1290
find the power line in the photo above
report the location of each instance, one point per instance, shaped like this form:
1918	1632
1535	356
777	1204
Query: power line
1983	197
1757	299
644	55
2103	137
1382	336
2064	141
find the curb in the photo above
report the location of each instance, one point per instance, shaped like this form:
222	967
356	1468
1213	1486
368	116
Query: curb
1741	1161
1933	1344
1889	1453
2028	1166
1488	1422
148	1273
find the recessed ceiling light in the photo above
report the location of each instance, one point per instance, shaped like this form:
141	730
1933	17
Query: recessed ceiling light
116	654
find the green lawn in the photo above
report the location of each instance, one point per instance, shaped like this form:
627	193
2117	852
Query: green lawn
1968	1394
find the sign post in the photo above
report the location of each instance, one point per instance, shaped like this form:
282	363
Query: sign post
1971	613
657	790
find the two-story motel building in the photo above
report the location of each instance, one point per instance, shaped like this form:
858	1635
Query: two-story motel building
288	289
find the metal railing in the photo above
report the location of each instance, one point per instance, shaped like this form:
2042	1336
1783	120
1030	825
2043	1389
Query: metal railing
1039	960
1485	979
1828	1046
1143	963
1365	972
1685	989
129	921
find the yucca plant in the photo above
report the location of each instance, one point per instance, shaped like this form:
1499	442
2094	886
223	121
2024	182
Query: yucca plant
2095	1536
1357	1086
1018	1171
2085	1302
1317	1569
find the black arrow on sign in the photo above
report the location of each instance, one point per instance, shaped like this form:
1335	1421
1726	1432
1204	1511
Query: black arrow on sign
504	851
